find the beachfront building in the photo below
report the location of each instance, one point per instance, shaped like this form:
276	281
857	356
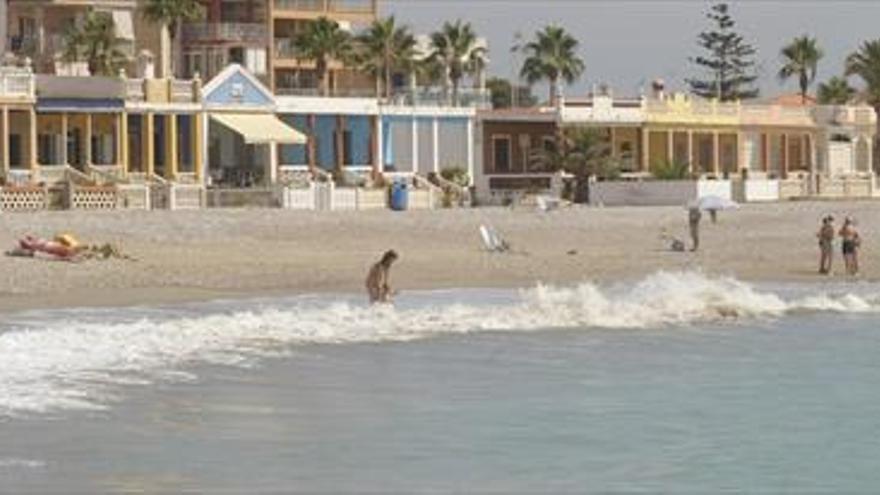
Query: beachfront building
100	142
259	35
781	148
509	140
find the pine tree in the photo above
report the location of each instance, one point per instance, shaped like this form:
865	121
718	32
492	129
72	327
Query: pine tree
729	60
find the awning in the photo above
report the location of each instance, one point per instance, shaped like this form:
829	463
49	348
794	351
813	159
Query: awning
258	128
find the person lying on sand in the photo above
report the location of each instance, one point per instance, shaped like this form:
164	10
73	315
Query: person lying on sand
378	279
63	247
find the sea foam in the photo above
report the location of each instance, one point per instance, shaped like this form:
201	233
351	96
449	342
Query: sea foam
66	363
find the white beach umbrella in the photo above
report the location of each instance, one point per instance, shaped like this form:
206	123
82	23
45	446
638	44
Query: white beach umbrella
714	203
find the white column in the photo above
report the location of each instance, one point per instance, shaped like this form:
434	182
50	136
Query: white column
88	140
273	163
415	144
716	153
690	135
206	163
380	148
435	131
5	137
470	149
613	137
64	157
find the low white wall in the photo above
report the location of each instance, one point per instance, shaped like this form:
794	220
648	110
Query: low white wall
720	188
756	190
655	193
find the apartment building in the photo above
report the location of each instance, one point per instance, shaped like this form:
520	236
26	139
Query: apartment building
35	29
259	35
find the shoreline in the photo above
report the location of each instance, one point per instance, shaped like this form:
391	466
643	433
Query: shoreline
163	296
193	256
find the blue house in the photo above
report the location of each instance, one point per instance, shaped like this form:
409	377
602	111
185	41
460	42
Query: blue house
244	134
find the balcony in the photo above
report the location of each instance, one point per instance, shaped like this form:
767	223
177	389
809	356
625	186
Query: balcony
328	7
224	32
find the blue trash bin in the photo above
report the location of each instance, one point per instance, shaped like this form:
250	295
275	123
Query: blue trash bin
399	195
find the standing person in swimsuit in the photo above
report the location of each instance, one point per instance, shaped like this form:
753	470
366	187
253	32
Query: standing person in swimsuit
694	217
379	279
826	245
850	244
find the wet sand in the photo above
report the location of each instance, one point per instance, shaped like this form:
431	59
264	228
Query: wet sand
216	254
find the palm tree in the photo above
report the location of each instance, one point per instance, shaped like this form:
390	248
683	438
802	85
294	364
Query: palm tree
170	15
383	48
865	63
836	91
800	58
95	42
323	41
582	152
552	56
455	48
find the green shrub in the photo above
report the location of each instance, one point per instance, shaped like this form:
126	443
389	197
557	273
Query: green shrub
670	170
456	175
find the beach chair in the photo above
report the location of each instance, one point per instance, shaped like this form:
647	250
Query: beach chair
492	240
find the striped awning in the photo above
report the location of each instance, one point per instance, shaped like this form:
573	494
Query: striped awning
257	128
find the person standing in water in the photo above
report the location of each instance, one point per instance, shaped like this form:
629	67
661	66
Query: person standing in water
378	279
694	217
850	244
826	245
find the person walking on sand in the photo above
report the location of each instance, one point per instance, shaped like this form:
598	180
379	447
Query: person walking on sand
378	279
694	217
851	242
826	245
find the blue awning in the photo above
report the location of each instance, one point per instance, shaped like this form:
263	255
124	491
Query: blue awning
80	105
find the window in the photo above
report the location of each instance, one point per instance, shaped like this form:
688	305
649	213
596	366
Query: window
501	153
236	55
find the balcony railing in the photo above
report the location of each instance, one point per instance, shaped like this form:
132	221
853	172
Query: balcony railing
330	6
301	5
352	6
440	97
336	93
284	48
225	32
421	97
16	83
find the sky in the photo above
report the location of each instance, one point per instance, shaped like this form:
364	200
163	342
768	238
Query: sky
628	43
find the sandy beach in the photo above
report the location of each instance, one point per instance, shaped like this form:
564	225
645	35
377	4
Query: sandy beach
211	254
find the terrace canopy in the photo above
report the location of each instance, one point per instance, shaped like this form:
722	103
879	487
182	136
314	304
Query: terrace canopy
258	128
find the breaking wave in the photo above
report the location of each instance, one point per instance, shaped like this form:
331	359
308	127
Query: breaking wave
72	363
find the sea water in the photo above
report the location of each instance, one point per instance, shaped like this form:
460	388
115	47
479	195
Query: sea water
676	383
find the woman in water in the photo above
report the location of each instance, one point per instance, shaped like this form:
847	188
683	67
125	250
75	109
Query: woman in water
850	243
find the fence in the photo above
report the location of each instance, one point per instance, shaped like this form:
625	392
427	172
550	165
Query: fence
92	198
27	198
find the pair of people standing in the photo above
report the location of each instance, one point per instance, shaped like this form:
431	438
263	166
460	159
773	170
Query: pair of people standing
850	244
